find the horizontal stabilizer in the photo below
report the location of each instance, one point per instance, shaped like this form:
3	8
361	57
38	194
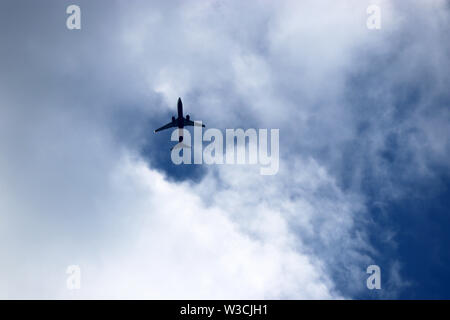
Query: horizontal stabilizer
180	145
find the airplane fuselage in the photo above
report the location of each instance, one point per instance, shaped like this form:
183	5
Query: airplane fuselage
180	122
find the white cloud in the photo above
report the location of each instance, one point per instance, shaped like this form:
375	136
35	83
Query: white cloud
73	193
163	240
179	247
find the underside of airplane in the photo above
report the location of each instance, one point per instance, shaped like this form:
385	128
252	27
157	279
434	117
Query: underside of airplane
180	122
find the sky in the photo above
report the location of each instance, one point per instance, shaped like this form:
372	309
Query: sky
363	118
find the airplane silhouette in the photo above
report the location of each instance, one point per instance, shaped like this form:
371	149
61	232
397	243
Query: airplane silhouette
179	122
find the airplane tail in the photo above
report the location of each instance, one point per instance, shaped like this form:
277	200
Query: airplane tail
180	144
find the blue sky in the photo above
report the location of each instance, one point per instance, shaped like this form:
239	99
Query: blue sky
364	125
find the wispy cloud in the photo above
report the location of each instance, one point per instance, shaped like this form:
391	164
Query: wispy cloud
360	112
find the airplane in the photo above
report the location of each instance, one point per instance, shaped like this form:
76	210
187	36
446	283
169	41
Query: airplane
179	122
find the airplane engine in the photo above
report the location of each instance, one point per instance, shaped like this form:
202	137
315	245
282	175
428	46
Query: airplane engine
187	117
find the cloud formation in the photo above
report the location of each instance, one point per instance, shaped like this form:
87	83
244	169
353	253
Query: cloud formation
83	181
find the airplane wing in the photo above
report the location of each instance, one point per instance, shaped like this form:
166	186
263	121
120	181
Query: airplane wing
167	126
187	122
